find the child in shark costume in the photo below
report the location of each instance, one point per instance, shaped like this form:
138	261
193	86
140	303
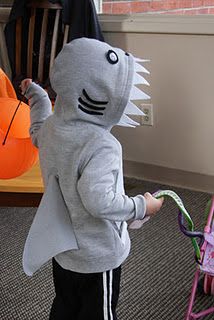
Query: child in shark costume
81	220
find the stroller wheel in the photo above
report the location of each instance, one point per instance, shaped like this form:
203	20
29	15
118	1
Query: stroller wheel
207	284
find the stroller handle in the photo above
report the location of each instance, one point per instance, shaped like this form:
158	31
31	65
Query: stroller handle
190	234
183	213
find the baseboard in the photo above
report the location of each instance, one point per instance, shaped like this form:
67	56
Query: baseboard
168	176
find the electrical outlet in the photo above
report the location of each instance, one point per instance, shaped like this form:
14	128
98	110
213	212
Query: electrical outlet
146	120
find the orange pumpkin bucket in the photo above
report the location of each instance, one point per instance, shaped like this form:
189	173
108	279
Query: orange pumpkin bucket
17	153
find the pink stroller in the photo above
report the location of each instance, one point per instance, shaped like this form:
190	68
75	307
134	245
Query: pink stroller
204	250
206	265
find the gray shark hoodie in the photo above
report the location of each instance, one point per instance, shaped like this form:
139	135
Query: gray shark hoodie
78	154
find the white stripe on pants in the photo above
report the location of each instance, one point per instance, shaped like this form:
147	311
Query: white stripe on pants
107	295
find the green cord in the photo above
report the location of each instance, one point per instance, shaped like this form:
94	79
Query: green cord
179	203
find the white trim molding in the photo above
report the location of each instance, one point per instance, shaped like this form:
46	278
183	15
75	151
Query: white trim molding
169	176
158	23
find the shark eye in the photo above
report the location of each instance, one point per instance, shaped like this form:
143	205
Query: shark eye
112	57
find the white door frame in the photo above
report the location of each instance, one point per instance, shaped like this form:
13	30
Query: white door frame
98	5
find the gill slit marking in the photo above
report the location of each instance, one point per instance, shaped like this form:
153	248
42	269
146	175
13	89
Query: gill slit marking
89	111
89	105
91	100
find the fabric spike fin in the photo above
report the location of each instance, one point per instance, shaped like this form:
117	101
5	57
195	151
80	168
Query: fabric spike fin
141	60
127	122
131	108
124	124
137	94
138	79
139	68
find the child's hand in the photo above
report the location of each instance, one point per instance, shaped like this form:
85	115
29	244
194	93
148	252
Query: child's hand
153	205
24	85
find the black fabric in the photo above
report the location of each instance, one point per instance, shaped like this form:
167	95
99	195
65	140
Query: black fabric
79	296
79	14
19	9
86	104
82	16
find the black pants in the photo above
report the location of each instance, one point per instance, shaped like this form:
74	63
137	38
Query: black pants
81	296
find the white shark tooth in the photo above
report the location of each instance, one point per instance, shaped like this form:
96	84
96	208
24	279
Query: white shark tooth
137	94
127	122
139	68
141	60
131	108
130	121
125	119
138	79
123	124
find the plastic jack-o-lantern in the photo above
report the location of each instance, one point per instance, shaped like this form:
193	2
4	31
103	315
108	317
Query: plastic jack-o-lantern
17	153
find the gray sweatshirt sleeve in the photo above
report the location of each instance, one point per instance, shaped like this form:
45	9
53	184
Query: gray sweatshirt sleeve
40	109
97	187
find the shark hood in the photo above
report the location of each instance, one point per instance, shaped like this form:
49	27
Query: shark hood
95	82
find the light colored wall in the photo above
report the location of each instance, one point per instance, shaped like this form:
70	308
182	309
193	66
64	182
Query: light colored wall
182	91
